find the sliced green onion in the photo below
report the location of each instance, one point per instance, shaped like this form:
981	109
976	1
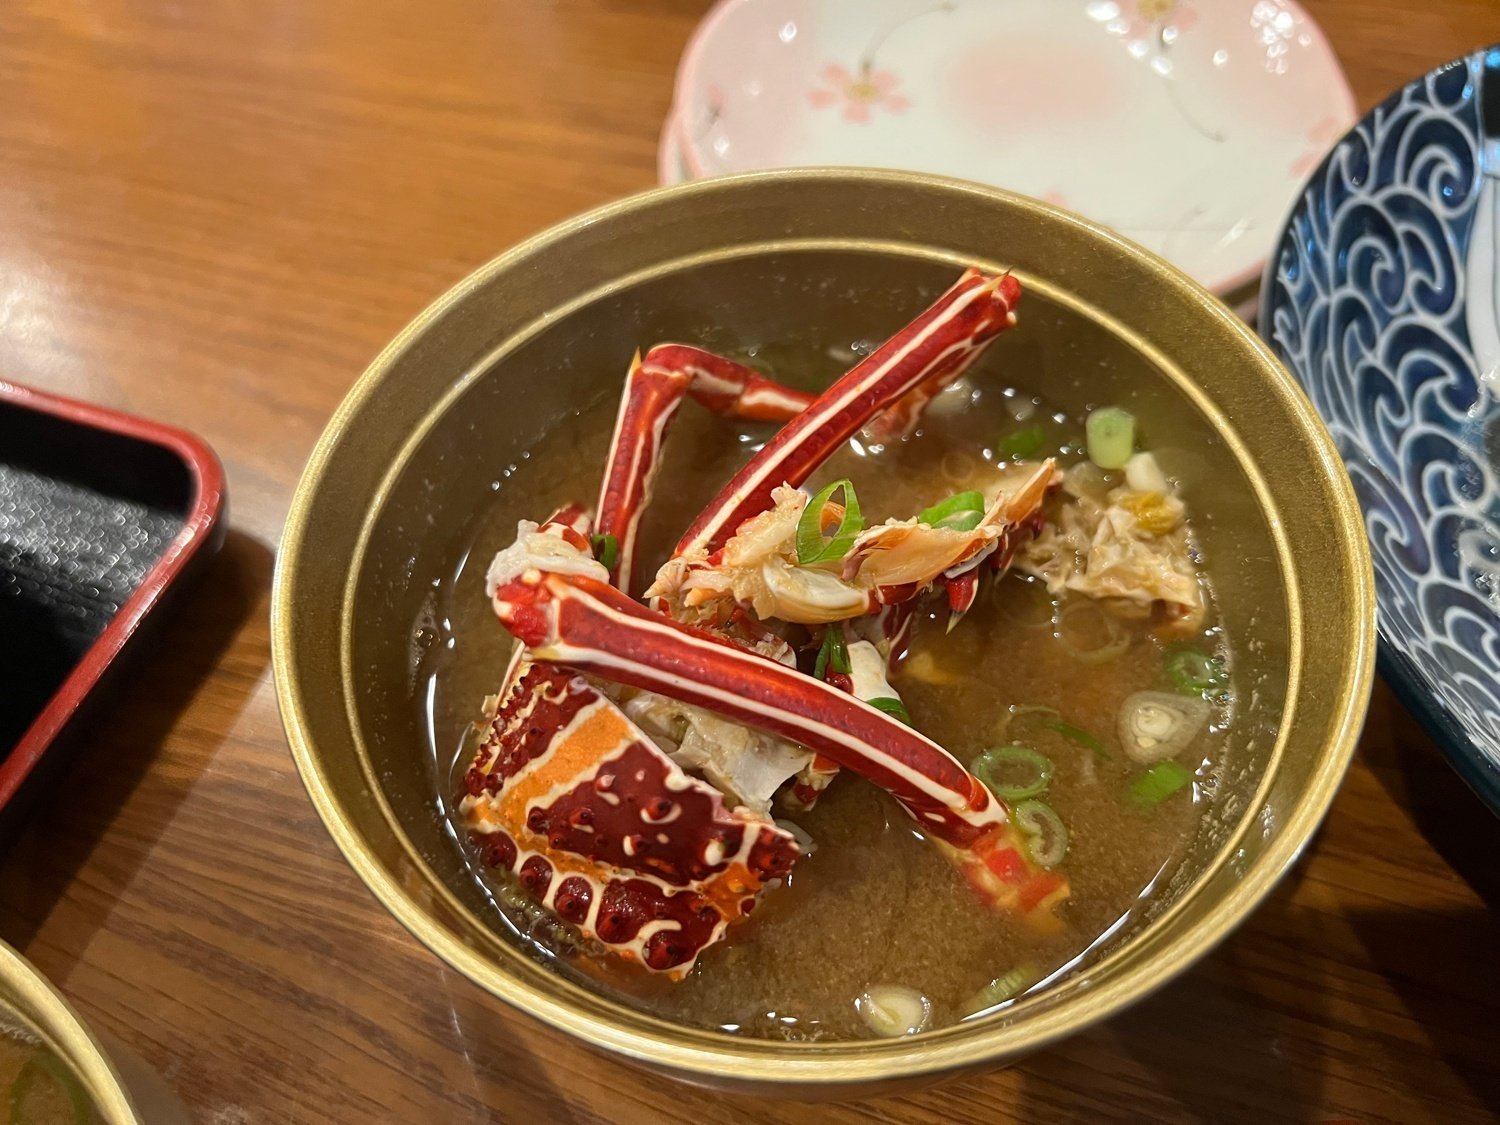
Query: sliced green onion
891	706
892	1010
1023	443
21	1088
833	653
1081	737
1050	721
960	512
1160	782
1111	436
1193	672
1023	602
78	1099
1156	725
1013	773
1001	989
1046	835
606	549
812	547
964	521
1074	634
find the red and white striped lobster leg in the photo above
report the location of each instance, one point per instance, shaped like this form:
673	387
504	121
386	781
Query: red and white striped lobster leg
727	387
901	418
899	377
961	322
585	624
654	389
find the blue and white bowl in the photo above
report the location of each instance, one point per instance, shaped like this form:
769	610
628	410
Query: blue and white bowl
1383	297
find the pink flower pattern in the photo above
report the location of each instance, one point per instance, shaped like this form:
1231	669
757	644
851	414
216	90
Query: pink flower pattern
1142	23
859	94
1151	14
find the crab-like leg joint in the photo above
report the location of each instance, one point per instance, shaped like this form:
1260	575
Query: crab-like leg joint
654	388
727	387
901	418
584	623
962	321
886	564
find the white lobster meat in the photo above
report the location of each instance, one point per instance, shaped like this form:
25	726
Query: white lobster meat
889	563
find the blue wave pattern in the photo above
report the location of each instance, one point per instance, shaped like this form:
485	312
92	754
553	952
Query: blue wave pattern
1367	307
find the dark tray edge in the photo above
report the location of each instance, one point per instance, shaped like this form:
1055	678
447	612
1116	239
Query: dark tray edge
200	536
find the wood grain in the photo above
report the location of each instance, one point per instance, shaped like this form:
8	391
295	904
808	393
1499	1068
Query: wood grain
214	214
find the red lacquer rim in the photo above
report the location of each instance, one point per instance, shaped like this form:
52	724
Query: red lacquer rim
203	514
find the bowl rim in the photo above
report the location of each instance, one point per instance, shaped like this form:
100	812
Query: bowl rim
1479	769
714	1057
63	1031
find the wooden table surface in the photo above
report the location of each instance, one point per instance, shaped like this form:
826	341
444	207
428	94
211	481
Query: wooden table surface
215	213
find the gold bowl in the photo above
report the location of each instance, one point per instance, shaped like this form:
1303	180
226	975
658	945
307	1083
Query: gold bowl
808	258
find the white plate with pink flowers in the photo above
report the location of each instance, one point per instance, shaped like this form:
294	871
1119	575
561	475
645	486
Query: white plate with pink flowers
1187	125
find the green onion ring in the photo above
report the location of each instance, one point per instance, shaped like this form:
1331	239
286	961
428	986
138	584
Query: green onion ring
1160	782
988	768
812	547
960	512
1046	835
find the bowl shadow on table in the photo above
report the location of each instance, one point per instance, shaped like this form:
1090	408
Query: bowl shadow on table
1443	969
1443	965
1206	1047
497	1057
113	751
1458	825
1240	1039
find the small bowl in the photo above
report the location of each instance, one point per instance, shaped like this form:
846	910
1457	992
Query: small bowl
1383	298
1187	125
29	1003
810	259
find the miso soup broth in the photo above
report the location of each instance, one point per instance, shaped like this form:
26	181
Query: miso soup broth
874	904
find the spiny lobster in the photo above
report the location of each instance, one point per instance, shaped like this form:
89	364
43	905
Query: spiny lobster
580	788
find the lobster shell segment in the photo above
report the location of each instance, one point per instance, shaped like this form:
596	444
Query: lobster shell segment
605	830
931	349
578	621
